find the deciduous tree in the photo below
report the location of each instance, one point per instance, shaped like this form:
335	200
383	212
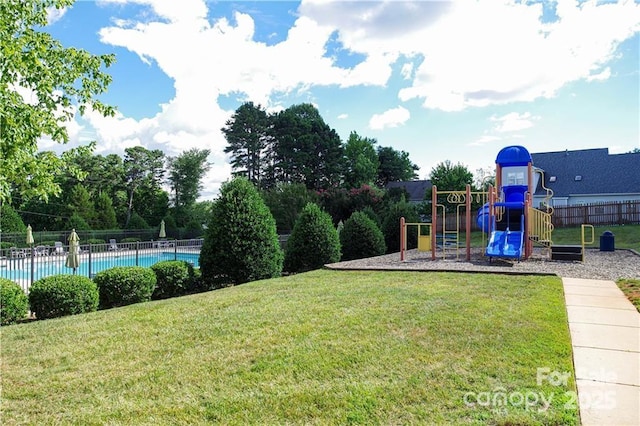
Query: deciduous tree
394	166
143	169
42	86
361	161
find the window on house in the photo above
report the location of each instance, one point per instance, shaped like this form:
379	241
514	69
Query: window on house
578	178
552	179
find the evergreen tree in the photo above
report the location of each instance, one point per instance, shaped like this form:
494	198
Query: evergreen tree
248	138
307	150
313	242
105	217
240	243
137	222
10	220
80	204
360	238
78	223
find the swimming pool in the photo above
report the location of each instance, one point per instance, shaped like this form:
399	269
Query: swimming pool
44	266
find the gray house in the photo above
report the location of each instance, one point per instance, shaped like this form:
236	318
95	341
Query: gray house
416	189
588	176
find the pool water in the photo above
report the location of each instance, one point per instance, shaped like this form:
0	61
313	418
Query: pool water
20	269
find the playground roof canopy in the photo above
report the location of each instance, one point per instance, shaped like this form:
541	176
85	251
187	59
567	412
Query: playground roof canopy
514	155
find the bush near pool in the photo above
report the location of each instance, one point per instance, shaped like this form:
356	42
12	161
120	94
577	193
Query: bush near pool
61	295
13	302
125	285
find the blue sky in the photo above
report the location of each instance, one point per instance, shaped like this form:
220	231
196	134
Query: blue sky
442	80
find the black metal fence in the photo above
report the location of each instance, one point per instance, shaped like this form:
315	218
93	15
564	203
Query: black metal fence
26	265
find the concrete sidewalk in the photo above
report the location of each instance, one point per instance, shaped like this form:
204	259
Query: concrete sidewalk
605	335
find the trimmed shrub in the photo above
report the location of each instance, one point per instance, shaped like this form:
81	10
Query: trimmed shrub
313	242
361	238
368	210
391	226
240	243
130	240
173	278
60	295
13	302
125	285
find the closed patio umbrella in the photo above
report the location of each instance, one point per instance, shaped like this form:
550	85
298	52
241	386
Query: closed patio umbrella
73	258
29	235
163	233
30	242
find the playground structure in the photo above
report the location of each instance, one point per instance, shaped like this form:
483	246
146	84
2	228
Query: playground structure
510	223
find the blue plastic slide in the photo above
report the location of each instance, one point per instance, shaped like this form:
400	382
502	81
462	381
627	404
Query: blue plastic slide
506	244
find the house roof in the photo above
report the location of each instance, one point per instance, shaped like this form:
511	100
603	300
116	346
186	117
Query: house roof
588	172
416	188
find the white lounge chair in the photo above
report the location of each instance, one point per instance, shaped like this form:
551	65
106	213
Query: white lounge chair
59	248
15	252
42	251
113	246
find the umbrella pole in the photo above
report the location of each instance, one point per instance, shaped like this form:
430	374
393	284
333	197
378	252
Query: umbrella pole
33	265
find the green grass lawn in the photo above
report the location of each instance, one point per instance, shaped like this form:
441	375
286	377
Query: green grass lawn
626	236
324	347
631	289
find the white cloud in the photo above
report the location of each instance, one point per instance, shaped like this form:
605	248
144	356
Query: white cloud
485	52
390	118
54	14
463	54
604	75
485	139
343	116
514	122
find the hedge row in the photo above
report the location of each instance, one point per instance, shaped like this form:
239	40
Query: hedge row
61	295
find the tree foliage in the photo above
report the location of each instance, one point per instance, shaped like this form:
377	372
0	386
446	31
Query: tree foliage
105	217
391	226
10	220
394	166
14	302
447	176
42	86
240	243
286	201
360	238
144	170
361	161
248	138
185	174
307	150
80	204
313	242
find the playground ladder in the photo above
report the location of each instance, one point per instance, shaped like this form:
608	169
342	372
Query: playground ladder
540	227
